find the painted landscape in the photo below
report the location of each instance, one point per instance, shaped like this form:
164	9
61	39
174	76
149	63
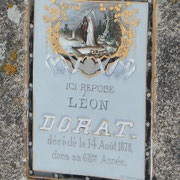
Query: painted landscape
94	33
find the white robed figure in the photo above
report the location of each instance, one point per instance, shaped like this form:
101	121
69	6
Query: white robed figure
90	33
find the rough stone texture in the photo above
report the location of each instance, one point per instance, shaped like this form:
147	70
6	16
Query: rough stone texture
12	90
13	34
167	121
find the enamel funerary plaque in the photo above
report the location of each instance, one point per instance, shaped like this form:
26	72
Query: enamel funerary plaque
90	67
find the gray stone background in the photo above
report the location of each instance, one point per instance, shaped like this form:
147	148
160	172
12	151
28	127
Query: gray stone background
13	69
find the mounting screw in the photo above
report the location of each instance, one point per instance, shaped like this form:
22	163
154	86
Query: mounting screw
147	153
147	124
56	175
30	143
31	25
148	95
30	55
149	33
30	115
149	64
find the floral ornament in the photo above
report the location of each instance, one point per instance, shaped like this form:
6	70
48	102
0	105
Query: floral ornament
78	6
101	7
128	22
56	14
123	14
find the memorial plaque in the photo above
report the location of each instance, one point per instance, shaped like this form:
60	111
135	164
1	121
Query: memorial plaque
90	94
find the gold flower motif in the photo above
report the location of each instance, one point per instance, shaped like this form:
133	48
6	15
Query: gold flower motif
138	20
111	8
136	10
130	13
128	3
45	7
55	17
116	15
77	8
102	9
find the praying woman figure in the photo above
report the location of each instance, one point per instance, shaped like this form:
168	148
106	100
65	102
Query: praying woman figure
90	33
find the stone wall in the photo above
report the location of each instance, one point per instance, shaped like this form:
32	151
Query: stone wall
167	109
13	33
13	75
